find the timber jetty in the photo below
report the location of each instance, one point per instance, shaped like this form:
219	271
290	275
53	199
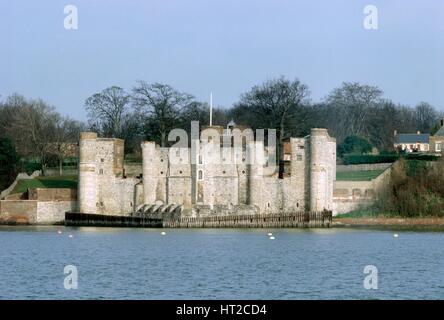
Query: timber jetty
322	219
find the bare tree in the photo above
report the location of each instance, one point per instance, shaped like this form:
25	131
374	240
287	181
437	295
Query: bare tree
426	116
66	134
352	103
276	104
31	126
163	104
107	110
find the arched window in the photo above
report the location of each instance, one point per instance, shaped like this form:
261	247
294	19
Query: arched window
200	175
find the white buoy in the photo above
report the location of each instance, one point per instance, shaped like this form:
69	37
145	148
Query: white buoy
395	235
70	236
272	238
163	233
59	231
270	234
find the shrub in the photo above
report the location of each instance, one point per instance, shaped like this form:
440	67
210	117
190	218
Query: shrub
416	189
354	145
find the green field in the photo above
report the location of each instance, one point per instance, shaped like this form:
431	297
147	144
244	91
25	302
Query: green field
46	182
358	175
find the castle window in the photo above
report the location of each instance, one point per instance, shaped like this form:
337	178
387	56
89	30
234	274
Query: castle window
102	160
101	171
161	172
200	175
200	159
223	172
161	160
299	157
180	172
301	147
243	171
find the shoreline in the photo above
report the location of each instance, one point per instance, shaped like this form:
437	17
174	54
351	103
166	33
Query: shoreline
389	222
425	223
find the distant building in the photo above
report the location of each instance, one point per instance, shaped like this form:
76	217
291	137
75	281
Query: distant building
411	142
437	140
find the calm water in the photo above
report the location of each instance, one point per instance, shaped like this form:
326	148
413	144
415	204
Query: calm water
219	263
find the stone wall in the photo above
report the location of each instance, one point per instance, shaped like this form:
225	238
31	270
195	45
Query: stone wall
53	212
353	195
362	167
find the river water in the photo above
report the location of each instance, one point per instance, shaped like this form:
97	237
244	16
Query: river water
219	263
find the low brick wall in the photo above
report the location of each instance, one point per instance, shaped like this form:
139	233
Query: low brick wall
18	212
52	194
34	212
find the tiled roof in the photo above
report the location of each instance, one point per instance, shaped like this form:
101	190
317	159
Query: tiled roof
412	138
440	132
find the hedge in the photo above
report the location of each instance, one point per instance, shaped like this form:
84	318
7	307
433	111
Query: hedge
385	158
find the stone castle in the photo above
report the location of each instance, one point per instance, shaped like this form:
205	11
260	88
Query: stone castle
205	179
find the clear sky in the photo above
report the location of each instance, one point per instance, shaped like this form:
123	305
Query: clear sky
224	46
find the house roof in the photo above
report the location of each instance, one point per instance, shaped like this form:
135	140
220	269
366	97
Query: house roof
412	138
440	132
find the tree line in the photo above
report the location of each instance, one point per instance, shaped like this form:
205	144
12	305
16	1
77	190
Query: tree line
148	111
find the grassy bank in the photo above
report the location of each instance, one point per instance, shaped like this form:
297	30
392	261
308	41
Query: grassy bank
69	182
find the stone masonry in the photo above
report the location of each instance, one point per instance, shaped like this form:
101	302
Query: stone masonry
206	179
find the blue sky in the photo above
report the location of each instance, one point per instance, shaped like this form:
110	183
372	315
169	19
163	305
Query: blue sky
224	46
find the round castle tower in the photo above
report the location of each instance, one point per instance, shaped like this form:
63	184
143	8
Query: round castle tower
149	171
87	189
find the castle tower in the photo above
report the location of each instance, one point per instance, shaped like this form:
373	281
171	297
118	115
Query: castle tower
149	171
297	194
322	162
87	188
256	157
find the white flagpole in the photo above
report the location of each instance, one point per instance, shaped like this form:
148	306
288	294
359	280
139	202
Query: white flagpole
211	109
